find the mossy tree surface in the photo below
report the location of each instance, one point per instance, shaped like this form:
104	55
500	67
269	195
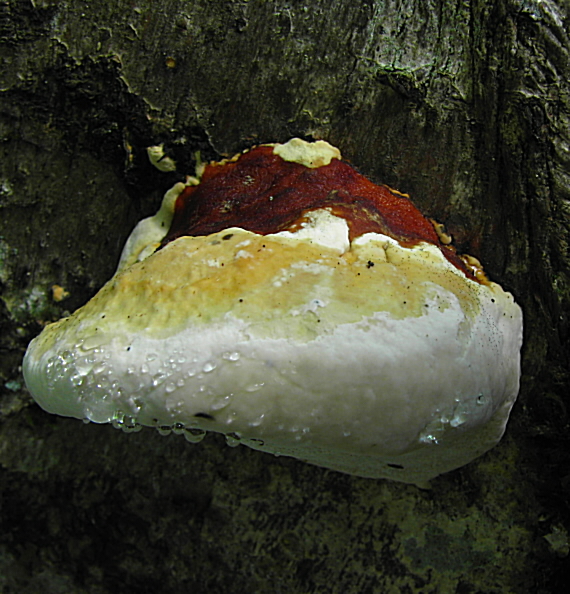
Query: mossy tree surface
462	104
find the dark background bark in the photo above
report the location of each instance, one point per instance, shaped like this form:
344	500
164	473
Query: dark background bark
462	104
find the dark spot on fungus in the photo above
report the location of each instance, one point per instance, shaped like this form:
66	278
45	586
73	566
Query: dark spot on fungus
202	415
228	236
369	264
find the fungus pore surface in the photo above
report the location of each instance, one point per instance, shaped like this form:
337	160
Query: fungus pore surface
284	300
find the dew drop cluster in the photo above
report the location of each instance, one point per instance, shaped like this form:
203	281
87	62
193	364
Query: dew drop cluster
458	416
110	391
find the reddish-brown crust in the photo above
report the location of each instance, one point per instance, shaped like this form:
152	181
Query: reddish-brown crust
262	193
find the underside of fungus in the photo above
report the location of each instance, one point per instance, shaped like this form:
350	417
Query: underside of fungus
286	301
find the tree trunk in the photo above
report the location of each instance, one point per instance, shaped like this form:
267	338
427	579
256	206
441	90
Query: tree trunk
463	104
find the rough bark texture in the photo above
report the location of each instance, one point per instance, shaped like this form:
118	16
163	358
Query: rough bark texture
464	104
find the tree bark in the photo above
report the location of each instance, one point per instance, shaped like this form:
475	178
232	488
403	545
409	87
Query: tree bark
463	104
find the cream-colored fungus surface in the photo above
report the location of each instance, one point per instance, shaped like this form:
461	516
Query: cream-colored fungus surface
366	357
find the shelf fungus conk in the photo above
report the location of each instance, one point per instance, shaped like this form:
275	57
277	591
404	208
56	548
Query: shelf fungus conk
286	301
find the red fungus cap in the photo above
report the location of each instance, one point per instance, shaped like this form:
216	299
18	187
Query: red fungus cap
262	193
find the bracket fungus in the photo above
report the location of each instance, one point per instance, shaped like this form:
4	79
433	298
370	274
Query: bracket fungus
286	301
